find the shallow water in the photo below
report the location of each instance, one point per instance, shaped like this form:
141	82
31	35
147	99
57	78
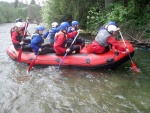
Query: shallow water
46	90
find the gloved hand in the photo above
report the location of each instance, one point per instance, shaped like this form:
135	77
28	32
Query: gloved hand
21	42
40	49
127	50
72	29
67	50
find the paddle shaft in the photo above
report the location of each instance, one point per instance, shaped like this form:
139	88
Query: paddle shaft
125	45
67	52
134	67
32	63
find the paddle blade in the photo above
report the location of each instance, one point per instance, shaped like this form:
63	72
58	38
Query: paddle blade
19	55
31	65
134	67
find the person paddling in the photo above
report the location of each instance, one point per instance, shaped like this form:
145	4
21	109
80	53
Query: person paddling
104	38
75	27
37	42
60	44
17	35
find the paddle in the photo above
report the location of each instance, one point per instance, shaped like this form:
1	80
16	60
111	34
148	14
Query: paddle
67	52
134	67
32	63
20	50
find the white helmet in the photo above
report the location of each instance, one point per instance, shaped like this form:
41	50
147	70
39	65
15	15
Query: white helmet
54	24
112	28
19	24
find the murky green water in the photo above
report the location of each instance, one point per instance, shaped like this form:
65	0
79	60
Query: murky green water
45	90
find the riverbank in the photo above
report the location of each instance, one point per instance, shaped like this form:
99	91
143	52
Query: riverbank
135	42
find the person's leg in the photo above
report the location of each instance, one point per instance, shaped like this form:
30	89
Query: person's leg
106	49
69	42
75	48
26	47
17	46
47	45
26	40
81	42
46	50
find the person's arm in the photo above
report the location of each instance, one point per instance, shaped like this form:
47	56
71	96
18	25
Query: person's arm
46	34
111	40
23	29
72	34
13	38
59	42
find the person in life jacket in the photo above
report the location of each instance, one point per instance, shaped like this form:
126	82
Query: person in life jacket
105	38
75	27
60	44
25	25
37	42
106	26
17	34
52	31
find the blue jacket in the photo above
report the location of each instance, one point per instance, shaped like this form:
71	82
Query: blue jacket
52	33
36	41
69	30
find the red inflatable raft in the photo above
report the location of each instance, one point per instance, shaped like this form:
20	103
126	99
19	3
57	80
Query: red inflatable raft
85	59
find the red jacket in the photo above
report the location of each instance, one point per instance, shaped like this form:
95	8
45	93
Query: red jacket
16	36
60	42
96	48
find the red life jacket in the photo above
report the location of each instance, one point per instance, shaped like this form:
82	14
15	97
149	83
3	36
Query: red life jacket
12	30
20	35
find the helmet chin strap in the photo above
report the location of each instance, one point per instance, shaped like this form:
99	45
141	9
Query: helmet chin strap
111	32
64	31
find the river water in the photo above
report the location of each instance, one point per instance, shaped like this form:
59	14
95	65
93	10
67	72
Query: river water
45	90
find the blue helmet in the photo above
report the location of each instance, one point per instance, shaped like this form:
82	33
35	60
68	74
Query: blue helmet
64	25
40	28
75	23
112	23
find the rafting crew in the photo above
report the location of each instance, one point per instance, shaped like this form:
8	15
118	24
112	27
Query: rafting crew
105	38
60	44
61	37
18	35
75	27
37	42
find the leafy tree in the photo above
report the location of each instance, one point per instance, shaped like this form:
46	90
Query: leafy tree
2	19
8	11
16	3
32	2
66	10
22	12
34	13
